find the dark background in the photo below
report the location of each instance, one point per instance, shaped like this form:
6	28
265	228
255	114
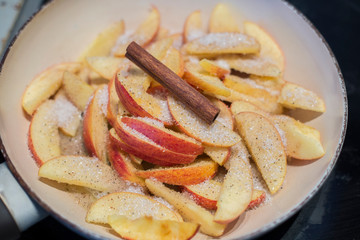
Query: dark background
334	212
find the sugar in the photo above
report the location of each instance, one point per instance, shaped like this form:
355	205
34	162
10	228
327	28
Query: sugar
64	111
194	34
222	64
224	40
103	99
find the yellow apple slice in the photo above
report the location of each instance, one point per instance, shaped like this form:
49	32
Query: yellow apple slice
236	191
253	64
193	173
82	171
215	134
300	141
77	90
45	85
195	76
95	124
265	146
295	96
214	44
159	48
143	35
129	204
187	208
68	116
43	138
219	68
105	66
105	41
147	228
269	47
162	33
193	27
243	106
222	20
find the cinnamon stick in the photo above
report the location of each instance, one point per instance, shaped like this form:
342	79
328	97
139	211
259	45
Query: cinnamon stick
185	93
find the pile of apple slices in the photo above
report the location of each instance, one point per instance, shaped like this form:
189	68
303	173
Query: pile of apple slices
104	125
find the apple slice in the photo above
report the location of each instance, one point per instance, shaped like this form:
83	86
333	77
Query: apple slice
236	191
195	76
43	138
217	68
162	33
300	141
159	48
173	60
222	20
269	47
193	173
135	159
205	194
143	35
187	208
214	44
77	90
295	96
82	171
253	64
105	41
215	134
167	138
243	106
220	155
150	148
95	124
131	89
45	85
177	40
193	27
265	146
257	198
131	205
106	67
122	163
147	228
114	106
114	138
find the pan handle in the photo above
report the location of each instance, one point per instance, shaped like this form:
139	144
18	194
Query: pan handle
19	211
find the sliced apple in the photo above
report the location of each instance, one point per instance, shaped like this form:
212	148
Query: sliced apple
77	90
195	76
122	163
167	138
236	191
205	194
257	198
95	124
105	66
173	60
217	68
215	134
68	116
265	146
130	87
43	138
147	228
114	106
114	138
193	27
162	33
215	44
300	141
105	41
159	48
218	154
269	47
187	208
177	40
193	173
150	148
222	20
295	96
143	35
243	106
131	205
135	159
82	171
45	85
253	64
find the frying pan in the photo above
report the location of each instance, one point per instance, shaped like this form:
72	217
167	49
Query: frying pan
61	31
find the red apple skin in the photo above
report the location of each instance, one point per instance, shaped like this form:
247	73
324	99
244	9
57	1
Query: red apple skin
114	138
123	165
152	150
87	123
201	200
259	199
163	138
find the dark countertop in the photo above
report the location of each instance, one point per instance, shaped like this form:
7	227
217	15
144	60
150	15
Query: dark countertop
334	212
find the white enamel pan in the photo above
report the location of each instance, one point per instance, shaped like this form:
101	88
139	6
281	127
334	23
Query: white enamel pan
60	32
